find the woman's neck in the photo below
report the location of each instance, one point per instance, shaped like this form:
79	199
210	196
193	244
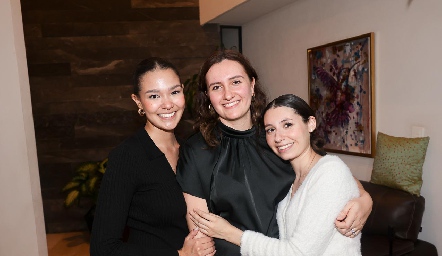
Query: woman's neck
166	141
161	138
304	162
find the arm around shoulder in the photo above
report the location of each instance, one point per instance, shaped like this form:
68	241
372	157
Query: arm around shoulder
355	213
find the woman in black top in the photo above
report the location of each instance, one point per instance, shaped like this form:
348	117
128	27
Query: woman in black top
227	168
139	189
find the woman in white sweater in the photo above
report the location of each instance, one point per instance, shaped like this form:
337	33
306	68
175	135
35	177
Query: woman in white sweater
323	185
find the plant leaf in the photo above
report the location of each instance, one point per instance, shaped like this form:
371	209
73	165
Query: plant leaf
82	176
88	167
91	184
71	197
85	182
102	165
70	185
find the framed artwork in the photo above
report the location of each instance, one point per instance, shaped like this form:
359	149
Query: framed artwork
341	92
231	37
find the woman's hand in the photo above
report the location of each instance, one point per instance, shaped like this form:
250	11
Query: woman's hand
352	218
215	226
197	246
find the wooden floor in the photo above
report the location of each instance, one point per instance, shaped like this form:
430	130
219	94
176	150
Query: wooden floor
68	244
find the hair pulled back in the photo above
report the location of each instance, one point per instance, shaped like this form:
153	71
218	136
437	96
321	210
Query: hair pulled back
305	111
149	65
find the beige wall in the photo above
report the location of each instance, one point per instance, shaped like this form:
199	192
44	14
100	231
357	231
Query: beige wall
408	62
21	223
210	9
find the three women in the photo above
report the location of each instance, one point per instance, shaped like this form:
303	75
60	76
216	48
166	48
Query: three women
226	168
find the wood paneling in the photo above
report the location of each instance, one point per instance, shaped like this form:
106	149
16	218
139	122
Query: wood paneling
81	55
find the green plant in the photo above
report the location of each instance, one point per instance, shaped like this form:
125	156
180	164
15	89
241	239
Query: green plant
190	88
85	183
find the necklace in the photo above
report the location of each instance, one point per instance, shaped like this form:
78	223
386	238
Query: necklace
302	177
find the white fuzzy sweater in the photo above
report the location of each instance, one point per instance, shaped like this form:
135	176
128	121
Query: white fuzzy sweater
306	221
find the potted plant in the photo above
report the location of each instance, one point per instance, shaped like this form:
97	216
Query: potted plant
85	184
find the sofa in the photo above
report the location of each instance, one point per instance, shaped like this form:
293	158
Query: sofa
394	224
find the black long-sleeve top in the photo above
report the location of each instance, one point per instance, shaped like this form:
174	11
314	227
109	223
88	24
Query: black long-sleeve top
139	189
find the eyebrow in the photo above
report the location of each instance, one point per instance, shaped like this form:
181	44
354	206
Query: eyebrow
282	121
170	89
285	120
231	78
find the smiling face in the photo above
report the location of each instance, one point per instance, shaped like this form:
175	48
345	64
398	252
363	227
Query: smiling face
230	92
161	97
286	132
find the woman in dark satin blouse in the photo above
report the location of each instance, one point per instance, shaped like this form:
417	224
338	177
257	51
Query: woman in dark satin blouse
227	167
139	189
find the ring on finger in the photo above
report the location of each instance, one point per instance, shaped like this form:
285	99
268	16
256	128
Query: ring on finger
354	231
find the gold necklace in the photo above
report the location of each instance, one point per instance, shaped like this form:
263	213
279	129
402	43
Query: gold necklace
301	178
308	169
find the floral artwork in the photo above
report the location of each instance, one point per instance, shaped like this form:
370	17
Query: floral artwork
341	93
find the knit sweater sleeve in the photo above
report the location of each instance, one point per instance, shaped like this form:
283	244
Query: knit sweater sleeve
114	200
323	197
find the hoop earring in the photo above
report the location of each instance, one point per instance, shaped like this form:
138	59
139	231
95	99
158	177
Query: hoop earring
211	109
141	112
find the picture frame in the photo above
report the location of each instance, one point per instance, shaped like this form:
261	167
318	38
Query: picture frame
231	37
341	92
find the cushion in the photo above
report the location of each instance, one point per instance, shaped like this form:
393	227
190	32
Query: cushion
398	162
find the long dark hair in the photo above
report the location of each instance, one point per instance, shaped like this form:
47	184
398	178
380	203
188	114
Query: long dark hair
305	111
206	118
148	65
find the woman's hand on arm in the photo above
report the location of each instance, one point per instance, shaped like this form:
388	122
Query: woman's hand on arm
352	218
215	226
197	246
194	202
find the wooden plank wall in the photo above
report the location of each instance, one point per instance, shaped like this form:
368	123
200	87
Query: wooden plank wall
81	54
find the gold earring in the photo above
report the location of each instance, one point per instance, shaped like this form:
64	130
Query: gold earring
211	109
141	112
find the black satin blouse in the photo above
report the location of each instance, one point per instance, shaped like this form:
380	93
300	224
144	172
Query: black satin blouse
241	180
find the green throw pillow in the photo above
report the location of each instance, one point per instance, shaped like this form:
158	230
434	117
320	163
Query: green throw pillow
398	162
